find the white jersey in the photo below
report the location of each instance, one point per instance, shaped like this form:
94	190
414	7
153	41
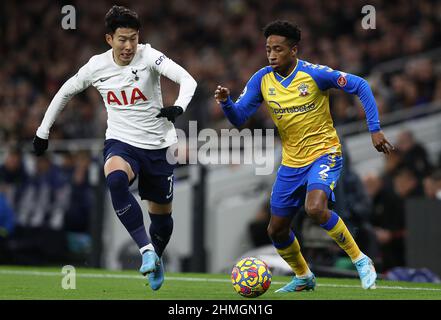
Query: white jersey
132	96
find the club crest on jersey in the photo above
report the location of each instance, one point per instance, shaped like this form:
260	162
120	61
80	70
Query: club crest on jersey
271	91
122	99
135	73
303	88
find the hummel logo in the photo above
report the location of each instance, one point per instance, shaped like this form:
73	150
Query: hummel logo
341	237
120	212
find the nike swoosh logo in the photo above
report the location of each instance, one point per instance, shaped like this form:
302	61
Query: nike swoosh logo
124	210
169	196
106	78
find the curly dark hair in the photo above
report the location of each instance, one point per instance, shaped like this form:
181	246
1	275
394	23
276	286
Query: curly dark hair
285	29
121	17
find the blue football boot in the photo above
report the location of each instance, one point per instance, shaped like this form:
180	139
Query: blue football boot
298	284
150	261
156	278
367	273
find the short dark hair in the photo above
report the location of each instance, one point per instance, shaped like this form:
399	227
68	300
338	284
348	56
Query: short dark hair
283	28
121	17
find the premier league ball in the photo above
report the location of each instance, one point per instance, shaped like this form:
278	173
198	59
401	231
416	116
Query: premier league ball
251	277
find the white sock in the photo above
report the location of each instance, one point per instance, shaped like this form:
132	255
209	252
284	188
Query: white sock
361	256
147	247
305	276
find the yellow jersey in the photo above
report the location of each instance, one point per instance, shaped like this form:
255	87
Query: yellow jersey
299	106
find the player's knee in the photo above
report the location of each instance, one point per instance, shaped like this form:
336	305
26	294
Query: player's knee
315	210
278	233
117	180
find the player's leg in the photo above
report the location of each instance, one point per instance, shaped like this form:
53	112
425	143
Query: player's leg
120	169
156	186
161	226
286	197
288	247
118	174
322	179
316	206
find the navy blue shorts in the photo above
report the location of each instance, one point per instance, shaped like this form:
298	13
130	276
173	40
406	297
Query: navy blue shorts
155	174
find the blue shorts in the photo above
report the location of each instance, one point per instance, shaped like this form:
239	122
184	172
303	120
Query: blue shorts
155	181
292	184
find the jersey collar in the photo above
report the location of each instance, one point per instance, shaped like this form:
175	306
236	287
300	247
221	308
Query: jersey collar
286	81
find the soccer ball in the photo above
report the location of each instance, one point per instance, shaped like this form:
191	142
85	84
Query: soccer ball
251	277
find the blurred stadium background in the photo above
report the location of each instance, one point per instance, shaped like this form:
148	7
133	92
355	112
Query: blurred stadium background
55	210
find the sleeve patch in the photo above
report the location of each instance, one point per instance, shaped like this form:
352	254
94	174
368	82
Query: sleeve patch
160	59
342	81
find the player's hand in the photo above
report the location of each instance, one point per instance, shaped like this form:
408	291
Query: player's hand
170	113
221	94
380	142
40	145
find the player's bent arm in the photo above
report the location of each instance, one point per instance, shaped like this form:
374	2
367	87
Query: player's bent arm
328	78
247	104
362	89
234	112
170	69
187	84
350	83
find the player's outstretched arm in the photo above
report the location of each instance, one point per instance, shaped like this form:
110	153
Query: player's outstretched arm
362	89
327	78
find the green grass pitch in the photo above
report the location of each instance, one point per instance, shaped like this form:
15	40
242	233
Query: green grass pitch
39	283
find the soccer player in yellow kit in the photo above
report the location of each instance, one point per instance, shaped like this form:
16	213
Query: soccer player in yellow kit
296	93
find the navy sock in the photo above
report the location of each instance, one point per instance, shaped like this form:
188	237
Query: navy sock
161	230
126	207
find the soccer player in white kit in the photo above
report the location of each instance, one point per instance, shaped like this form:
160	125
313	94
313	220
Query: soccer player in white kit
139	130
